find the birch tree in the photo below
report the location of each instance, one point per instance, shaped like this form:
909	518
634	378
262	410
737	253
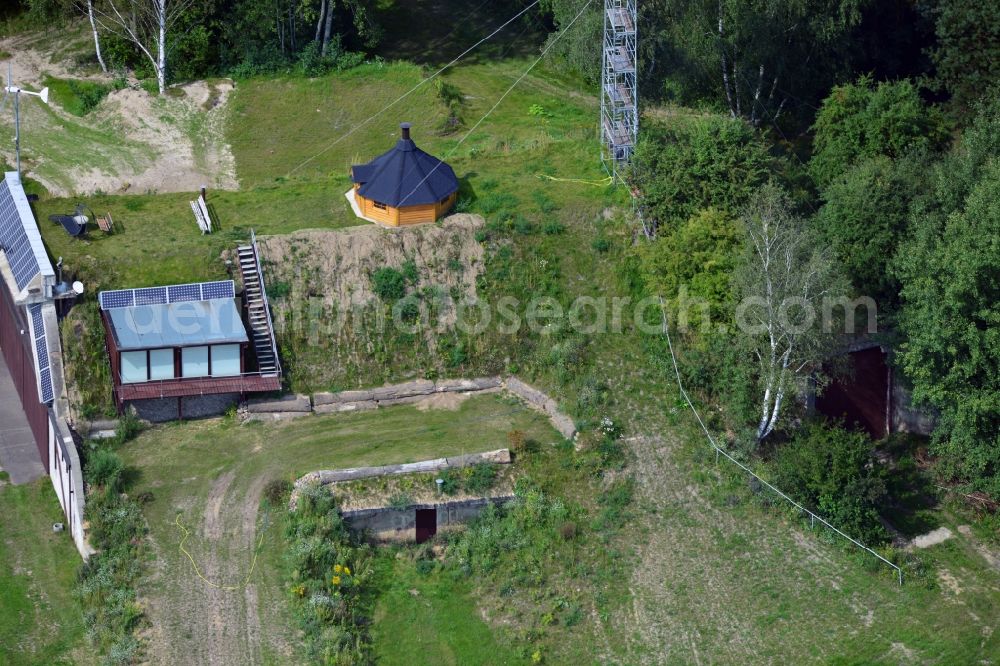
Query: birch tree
146	24
783	317
97	38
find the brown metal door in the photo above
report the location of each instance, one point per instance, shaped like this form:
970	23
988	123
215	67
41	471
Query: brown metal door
426	524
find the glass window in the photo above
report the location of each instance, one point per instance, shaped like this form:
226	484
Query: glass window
161	363
380	206
134	367
225	360
194	362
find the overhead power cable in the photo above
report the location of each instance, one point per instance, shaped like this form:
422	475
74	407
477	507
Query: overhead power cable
545	51
412	90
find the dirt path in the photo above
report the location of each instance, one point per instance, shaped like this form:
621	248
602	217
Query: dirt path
208	614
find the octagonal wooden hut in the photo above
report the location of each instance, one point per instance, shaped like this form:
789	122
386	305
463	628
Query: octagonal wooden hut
404	185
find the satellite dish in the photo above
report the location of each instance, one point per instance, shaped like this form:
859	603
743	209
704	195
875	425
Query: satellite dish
78	287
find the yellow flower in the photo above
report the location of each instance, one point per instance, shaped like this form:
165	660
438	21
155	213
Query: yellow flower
347	570
336	580
337	568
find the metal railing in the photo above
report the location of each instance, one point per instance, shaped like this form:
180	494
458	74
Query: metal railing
267	303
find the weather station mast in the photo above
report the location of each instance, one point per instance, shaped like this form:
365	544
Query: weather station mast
619	93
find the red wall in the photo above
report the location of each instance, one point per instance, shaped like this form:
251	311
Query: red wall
20	361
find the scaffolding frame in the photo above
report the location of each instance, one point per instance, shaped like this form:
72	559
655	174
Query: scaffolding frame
619	92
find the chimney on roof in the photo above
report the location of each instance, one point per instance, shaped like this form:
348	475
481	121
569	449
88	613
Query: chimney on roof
405	127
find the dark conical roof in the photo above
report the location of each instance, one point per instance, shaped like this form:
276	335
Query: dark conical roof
405	176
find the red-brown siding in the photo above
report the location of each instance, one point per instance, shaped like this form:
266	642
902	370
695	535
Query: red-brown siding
20	361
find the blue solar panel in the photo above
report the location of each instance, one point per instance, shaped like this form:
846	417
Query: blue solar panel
36	316
183	292
48	392
151	296
116	299
42	350
203	291
211	290
19	236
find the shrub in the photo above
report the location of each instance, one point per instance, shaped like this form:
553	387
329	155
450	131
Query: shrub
279	290
553	228
481	478
105	470
331	581
523	225
277	491
408	308
601	245
832	471
128	427
692	164
389	284
450	482
106	582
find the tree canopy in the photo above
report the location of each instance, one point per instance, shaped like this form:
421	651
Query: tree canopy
950	313
864	119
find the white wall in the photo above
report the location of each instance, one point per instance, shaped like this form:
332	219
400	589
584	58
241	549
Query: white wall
67	480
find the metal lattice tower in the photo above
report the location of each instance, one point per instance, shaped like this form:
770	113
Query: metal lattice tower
619	94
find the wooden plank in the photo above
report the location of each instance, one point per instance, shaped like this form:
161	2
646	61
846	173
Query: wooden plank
204	212
202	224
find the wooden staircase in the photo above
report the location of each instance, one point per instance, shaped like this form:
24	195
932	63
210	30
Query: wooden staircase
258	310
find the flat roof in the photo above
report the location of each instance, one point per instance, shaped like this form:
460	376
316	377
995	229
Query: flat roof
184	324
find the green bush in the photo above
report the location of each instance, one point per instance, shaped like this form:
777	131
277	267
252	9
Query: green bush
389	284
601	245
106	583
481	478
105	470
832	471
450	482
553	228
331	579
865	120
694	164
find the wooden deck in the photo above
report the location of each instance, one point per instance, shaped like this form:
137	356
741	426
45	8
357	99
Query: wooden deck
178	388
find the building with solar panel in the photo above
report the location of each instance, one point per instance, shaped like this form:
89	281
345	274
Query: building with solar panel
32	355
403	186
191	350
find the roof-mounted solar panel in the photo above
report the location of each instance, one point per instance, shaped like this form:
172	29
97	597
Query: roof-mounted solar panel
178	293
213	290
151	296
20	238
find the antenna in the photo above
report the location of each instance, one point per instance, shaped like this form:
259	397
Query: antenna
10	89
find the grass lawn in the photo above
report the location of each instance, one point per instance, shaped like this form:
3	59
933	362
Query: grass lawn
207	477
161	244
431	618
40	621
